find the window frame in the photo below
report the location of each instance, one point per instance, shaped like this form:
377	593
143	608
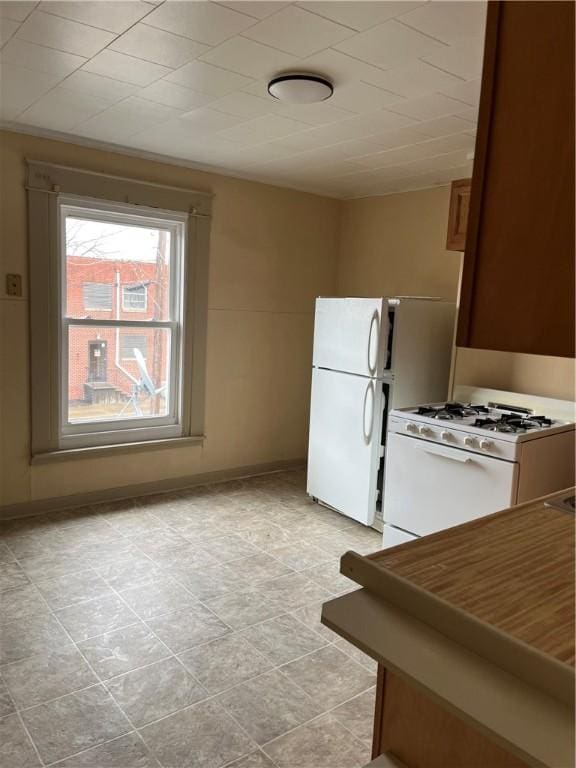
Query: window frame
124	288
104	432
51	188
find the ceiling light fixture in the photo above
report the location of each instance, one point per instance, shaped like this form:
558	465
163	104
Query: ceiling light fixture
300	89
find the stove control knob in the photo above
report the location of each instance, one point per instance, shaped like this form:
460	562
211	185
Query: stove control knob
470	441
485	445
425	431
445	435
410	427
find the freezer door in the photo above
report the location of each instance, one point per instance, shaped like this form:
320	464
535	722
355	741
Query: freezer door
429	487
344	445
351	335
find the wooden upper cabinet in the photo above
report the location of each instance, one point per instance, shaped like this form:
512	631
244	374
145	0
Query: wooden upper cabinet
518	278
458	215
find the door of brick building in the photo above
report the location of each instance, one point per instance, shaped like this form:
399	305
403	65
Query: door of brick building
97	361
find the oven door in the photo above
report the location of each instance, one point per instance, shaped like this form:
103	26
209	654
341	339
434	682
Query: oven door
430	487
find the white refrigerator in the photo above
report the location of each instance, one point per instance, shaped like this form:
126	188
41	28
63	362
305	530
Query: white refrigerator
370	355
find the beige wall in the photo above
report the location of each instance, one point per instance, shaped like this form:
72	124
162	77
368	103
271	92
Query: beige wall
395	245
272	252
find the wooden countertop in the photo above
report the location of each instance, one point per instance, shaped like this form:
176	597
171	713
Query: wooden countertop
480	618
502	585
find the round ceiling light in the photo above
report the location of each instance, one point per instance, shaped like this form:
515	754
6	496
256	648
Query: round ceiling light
300	89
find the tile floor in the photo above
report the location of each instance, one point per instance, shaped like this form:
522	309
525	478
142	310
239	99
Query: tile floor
182	630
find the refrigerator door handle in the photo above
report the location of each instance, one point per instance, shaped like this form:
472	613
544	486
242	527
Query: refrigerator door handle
373	346
367	433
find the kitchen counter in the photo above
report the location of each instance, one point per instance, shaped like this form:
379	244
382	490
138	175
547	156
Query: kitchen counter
480	619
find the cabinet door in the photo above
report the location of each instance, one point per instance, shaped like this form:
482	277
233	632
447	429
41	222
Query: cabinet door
458	215
518	279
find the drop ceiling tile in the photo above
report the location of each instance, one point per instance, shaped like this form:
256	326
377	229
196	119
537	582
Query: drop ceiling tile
126	68
314	114
388	45
468	93
376	122
323	136
7	29
120	121
156	45
361	97
209	120
202	21
172	95
297	31
61	109
344	149
16	10
418	151
443	126
463	59
249	58
206	78
245	105
340	68
40	58
259	9
63	34
427	107
360	15
22	87
470	114
416	79
260	153
96	85
448	21
398	137
114	16
262	129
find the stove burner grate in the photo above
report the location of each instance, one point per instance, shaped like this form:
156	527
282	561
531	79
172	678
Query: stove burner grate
451	411
512	422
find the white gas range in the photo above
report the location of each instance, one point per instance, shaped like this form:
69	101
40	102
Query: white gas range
449	463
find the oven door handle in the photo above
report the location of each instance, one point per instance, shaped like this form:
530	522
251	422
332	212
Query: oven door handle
453	455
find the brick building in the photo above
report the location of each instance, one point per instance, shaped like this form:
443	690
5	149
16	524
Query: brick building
108	289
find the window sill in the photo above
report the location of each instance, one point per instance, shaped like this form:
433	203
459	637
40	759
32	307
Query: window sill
97	451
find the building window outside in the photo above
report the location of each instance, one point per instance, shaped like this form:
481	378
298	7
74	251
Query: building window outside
97	296
134	298
131	342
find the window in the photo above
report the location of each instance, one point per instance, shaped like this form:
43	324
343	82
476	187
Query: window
114	345
130	342
97	296
134	298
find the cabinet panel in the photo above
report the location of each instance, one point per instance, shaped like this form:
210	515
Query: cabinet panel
458	215
518	280
413	728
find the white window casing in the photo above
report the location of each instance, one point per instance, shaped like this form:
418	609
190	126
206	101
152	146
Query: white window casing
55	192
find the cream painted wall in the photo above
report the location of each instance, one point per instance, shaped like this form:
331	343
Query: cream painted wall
395	245
273	251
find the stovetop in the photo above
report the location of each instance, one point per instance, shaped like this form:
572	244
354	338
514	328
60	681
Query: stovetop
500	420
492	418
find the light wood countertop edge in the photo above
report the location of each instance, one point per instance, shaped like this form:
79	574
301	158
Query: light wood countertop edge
529	723
528	663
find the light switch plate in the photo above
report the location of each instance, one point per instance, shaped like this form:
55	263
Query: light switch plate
14	285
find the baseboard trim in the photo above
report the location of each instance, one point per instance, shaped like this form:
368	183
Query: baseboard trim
55	503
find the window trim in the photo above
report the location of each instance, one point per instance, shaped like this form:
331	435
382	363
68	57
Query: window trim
47	186
134	309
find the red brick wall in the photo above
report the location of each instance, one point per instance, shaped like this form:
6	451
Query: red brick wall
82	270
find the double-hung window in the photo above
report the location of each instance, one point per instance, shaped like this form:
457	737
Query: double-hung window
121	339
